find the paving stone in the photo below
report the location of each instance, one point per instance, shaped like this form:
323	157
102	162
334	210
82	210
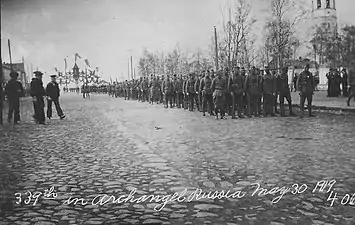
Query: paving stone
109	146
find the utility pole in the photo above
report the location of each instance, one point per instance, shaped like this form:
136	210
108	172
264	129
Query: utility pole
229	38
216	48
132	67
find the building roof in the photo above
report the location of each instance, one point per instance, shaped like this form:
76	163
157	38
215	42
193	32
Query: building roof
300	64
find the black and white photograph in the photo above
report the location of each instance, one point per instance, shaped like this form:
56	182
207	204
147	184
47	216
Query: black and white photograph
177	112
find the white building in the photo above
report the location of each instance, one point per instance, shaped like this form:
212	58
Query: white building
324	18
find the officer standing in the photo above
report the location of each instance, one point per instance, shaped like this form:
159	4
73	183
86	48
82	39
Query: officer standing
53	93
13	91
37	93
305	84
269	89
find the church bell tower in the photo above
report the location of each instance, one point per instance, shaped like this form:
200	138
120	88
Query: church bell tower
324	16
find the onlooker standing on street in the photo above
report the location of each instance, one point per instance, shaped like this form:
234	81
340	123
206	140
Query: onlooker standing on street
295	81
37	93
344	83
13	91
53	93
352	86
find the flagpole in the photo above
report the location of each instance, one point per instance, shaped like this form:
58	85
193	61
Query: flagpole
128	69
8	43
132	67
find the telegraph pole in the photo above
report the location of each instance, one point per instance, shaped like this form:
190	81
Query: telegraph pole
1	92
215	38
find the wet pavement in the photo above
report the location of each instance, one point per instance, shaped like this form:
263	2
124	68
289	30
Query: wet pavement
217	168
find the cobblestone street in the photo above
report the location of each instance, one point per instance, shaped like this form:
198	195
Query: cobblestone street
111	146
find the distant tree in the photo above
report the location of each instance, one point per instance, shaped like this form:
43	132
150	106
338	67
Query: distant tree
281	29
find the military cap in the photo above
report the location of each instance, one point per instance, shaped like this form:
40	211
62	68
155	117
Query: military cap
243	68
53	75
174	75
266	67
38	73
14	74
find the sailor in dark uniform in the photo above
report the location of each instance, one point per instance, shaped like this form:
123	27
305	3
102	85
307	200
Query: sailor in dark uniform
14	91
37	93
53	93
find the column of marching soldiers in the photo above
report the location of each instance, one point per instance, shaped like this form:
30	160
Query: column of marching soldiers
236	93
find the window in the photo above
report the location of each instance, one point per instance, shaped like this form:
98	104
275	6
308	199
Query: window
319	4
334	4
328	4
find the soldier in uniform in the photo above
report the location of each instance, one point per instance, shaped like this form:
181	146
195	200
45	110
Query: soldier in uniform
207	94
13	91
179	91
117	90
305	84
37	94
237	89
253	89
155	90
268	86
145	87
186	96
53	93
198	93
160	93
167	89
219	88
284	91
190	91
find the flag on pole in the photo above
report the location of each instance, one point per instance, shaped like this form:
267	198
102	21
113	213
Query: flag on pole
87	62
55	68
77	56
65	64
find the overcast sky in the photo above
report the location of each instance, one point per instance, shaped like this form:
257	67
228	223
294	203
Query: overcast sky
107	32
